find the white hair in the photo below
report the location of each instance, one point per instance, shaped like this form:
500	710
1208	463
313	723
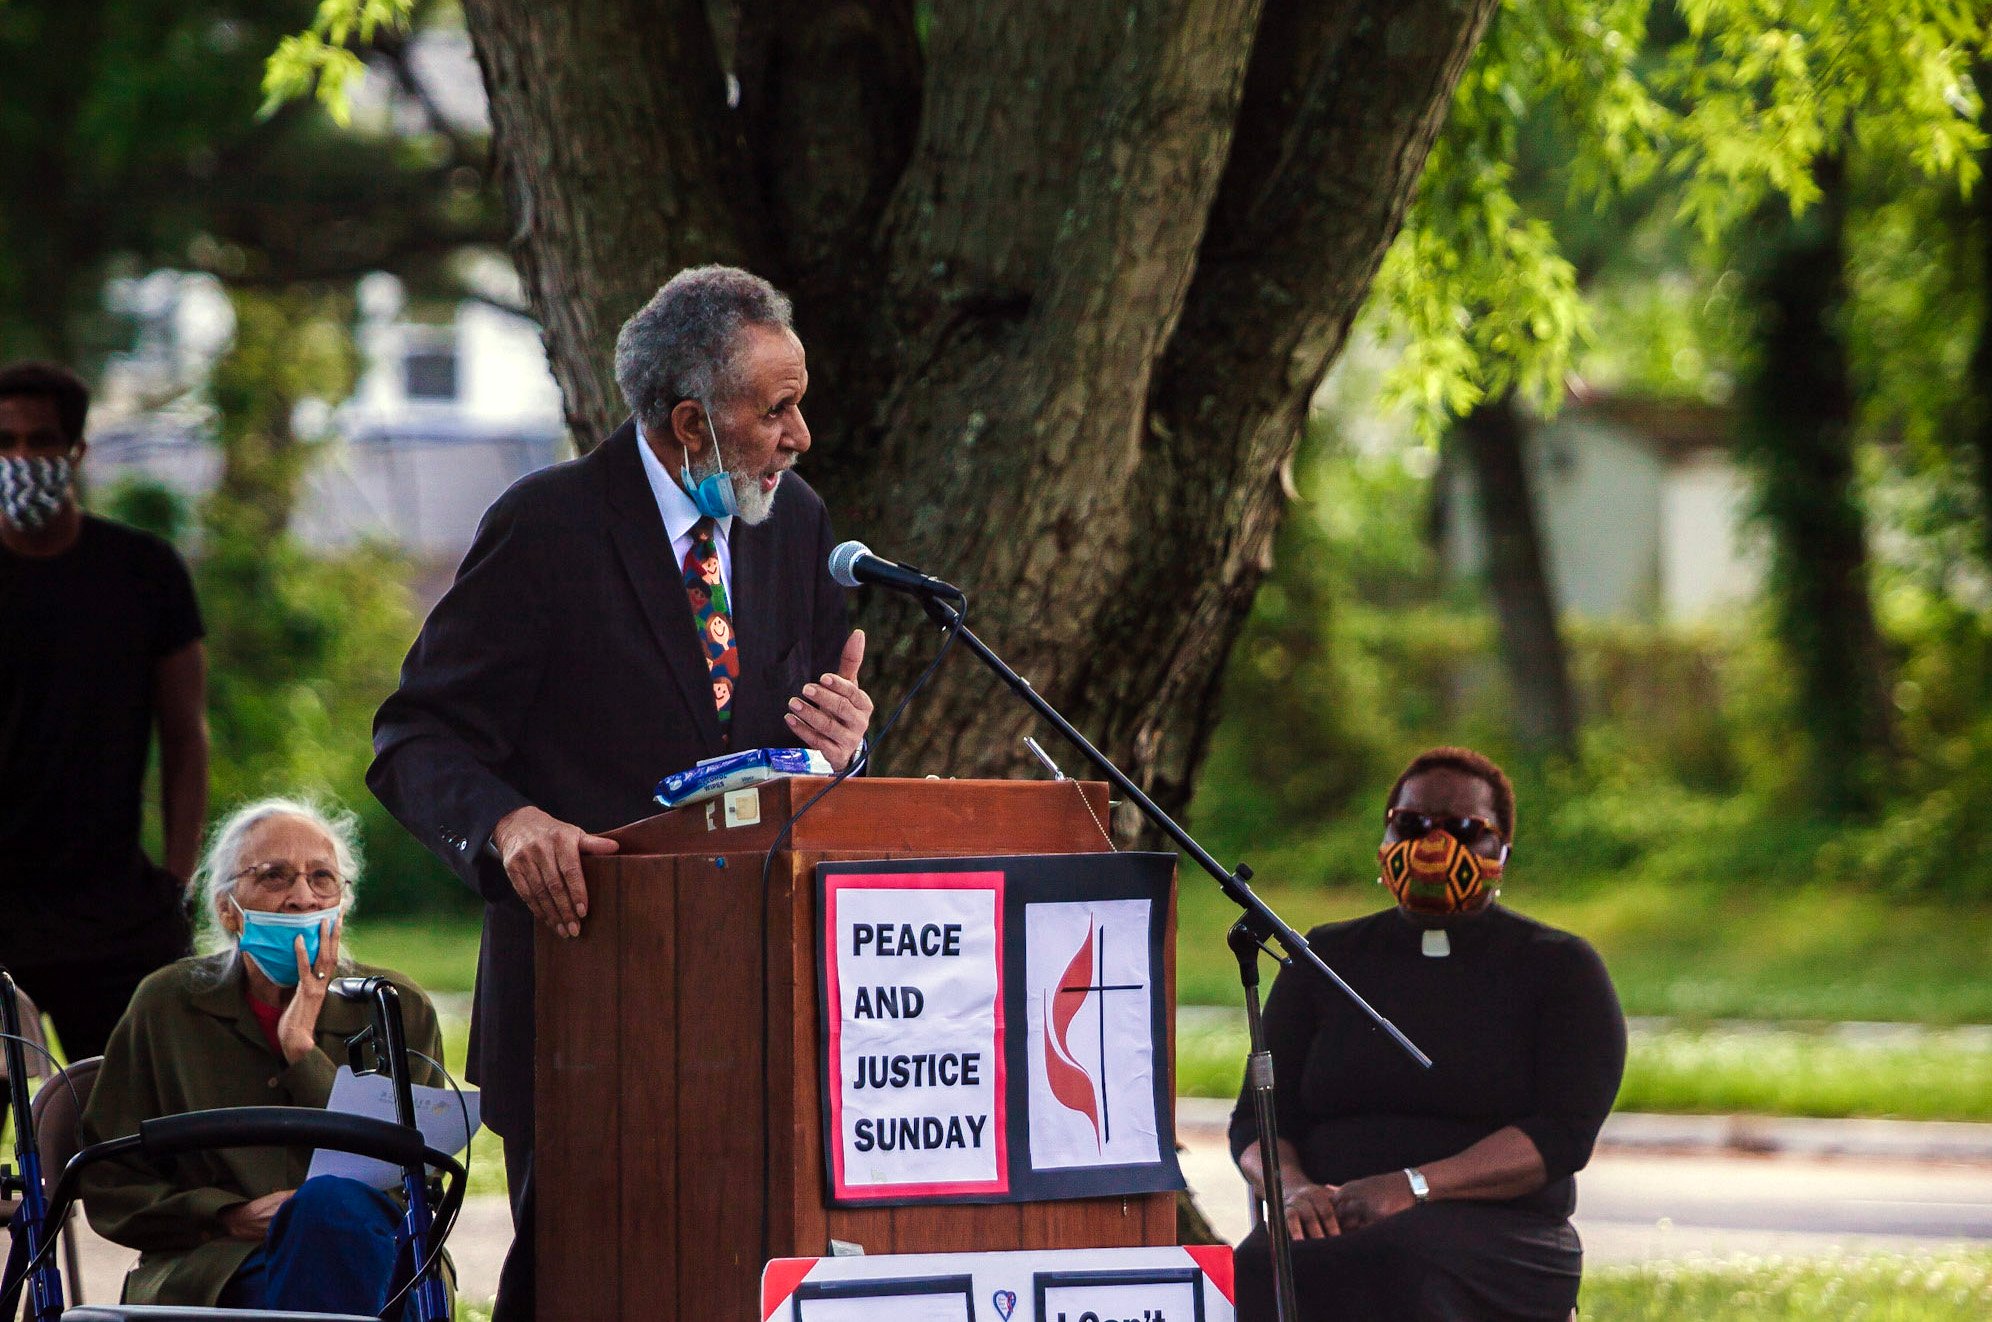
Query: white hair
214	878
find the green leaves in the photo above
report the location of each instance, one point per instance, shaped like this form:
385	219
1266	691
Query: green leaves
322	58
1572	105
1768	86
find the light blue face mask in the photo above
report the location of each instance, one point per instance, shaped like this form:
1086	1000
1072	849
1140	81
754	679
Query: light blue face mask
713	495
271	939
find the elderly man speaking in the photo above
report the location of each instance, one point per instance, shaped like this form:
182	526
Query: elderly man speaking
662	600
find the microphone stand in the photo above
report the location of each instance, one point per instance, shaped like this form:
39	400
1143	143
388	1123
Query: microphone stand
1258	929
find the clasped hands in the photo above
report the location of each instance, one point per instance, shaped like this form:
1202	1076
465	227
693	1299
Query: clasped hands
542	854
1314	1211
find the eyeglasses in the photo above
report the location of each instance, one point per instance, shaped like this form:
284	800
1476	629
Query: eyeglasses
1410	824
276	879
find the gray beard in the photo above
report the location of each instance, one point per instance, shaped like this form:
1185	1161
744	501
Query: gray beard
755	505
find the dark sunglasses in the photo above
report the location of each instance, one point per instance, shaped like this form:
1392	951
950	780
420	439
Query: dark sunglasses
1410	824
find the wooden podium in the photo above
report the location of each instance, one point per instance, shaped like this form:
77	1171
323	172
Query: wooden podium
680	1131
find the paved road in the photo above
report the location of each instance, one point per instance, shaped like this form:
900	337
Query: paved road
1641	1206
1634	1206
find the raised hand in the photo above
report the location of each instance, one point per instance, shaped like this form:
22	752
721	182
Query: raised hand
297	1027
832	715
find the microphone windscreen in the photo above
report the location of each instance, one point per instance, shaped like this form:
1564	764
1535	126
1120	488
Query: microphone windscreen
844	560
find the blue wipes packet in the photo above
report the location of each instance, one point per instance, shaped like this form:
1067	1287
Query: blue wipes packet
736	771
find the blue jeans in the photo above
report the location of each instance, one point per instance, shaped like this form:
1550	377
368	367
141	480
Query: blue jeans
330	1249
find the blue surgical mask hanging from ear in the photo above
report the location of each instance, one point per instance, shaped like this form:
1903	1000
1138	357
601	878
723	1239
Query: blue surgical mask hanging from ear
270	939
713	494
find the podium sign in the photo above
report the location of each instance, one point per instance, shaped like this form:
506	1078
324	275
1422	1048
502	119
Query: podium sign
990	1028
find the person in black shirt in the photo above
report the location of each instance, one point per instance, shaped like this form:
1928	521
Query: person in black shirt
101	642
1440	1193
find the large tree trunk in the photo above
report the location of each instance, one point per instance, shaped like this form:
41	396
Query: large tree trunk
1494	436
1067	279
1797	434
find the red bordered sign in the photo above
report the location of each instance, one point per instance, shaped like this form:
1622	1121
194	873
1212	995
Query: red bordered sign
917	1088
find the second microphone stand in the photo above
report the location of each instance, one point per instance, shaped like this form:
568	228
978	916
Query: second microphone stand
1258	929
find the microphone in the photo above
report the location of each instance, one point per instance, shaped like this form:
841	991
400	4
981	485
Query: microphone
853	563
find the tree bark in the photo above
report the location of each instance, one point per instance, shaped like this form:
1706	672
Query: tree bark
1064	319
1797	436
1494	436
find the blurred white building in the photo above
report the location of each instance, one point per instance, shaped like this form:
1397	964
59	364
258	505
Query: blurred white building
1641	509
446	414
444	418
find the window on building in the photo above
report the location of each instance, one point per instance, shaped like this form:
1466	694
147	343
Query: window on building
430	373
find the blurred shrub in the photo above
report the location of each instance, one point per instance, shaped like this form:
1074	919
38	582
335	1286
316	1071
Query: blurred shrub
1356	656
302	650
145	502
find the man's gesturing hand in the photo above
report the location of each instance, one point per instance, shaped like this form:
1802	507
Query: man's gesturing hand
831	716
542	857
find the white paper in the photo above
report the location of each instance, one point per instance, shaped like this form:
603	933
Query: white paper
953	1307
919	1067
1166	1301
437	1114
1091	1054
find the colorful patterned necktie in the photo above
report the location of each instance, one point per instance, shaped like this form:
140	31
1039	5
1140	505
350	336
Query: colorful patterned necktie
713	615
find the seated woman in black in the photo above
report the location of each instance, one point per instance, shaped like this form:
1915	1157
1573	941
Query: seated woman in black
1440	1193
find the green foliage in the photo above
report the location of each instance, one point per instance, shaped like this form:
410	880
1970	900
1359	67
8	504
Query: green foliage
321	59
301	646
1770	86
145	503
134	142
1477	288
1481	287
1953	1287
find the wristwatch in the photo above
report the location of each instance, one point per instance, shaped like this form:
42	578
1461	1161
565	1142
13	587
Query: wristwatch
1420	1191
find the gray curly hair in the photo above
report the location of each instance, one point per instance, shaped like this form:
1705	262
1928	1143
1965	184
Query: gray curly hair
680	344
222	859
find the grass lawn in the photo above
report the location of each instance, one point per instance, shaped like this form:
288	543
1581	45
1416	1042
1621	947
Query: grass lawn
1690	955
1705	952
1694	954
1938	1288
439	952
1768	1070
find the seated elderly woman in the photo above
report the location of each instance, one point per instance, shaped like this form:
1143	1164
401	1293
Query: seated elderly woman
1440	1193
250	1025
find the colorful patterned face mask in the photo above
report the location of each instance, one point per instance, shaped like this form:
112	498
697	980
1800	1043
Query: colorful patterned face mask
33	489
1436	874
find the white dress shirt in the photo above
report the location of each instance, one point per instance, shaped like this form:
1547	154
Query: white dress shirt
679	514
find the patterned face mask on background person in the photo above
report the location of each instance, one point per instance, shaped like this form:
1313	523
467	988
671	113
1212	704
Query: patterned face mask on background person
34	488
1436	874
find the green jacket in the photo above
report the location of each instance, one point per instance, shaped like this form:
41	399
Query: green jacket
188	1042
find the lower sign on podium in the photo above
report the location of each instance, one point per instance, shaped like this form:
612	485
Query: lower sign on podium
1190	1284
994	1028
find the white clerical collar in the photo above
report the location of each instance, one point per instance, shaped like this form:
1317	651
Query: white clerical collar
673	504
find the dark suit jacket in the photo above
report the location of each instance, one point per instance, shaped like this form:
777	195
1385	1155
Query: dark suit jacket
562	670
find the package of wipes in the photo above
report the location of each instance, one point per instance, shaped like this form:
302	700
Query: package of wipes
737	771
